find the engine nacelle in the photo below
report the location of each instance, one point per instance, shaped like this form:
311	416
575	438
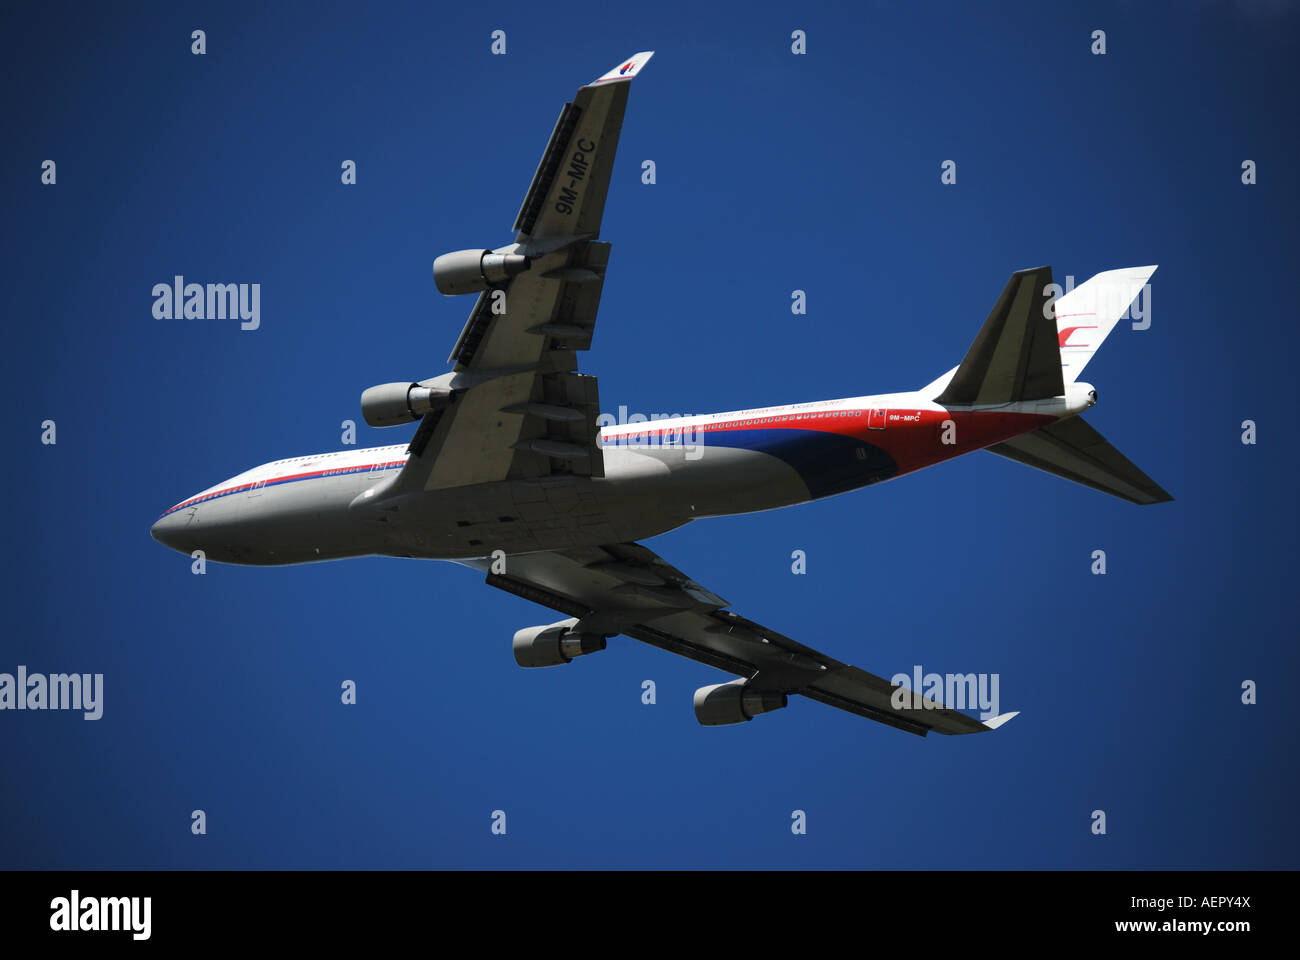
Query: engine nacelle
392	404
733	702
555	644
469	271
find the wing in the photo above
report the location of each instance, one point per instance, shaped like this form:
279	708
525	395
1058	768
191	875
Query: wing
627	588
518	407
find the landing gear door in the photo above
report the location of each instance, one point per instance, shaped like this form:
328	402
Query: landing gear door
876	418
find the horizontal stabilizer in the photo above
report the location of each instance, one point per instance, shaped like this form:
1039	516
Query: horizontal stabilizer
1073	450
1015	355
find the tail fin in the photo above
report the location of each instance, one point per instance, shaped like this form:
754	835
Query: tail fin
1087	314
1073	450
1014	356
1023	353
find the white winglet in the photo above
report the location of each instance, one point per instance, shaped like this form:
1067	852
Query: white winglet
628	69
1000	719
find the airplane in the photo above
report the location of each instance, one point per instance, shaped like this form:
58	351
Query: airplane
510	473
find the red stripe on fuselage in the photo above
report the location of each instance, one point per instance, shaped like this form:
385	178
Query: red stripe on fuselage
268	481
913	438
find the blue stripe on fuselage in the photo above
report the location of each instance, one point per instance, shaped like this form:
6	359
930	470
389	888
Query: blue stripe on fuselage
828	463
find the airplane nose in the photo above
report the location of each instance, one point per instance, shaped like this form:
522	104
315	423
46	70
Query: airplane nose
167	531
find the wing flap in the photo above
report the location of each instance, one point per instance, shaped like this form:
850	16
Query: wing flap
554	305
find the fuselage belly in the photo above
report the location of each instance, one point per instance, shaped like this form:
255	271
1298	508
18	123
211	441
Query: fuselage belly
659	475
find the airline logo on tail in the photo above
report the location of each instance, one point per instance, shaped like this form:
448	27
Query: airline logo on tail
1064	336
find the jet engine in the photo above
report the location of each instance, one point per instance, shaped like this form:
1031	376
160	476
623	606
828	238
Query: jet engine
555	644
392	404
734	702
469	271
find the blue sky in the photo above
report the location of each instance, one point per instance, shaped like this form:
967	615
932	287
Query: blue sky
775	172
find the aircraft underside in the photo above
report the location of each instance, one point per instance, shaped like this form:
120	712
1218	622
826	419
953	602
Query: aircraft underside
509	460
657	478
646	491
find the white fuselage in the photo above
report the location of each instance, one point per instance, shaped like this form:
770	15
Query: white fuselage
658	475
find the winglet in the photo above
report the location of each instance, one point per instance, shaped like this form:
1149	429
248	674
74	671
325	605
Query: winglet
627	69
1000	719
